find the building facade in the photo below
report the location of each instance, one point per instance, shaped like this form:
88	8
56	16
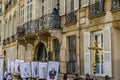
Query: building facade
30	31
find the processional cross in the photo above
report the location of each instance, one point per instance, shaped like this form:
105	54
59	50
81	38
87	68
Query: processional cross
95	48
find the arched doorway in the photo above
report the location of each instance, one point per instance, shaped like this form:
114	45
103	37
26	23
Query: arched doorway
41	53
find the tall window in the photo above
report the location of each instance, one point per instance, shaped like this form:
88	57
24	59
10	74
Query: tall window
57	50
71	65
72	5
0	30
29	52
29	10
98	37
0	7
37	9
14	23
22	14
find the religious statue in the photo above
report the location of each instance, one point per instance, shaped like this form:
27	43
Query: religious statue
95	48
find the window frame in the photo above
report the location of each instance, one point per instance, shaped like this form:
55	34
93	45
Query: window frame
71	62
101	53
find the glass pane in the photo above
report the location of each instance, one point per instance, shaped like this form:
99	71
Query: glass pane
98	68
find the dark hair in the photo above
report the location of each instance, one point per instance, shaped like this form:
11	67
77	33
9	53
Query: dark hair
65	77
106	77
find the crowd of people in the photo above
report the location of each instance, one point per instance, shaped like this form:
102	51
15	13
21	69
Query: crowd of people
87	77
8	76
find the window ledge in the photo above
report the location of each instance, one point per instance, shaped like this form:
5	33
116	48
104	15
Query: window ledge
72	23
115	10
97	15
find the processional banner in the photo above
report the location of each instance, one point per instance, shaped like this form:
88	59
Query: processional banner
25	70
43	70
1	69
35	69
17	66
53	68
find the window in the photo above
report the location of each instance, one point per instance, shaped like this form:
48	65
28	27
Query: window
57	50
0	7
0	30
22	14
72	5
29	10
29	52
37	8
98	37
71	64
21	51
103	57
15	23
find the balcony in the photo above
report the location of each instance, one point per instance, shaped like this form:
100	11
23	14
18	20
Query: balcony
12	38
46	22
21	31
97	9
4	42
71	18
51	21
115	5
8	40
9	4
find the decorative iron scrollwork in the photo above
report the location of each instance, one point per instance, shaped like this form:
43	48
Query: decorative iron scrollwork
71	18
97	8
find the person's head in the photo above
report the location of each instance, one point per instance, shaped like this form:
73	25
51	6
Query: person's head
87	76
55	9
65	77
76	75
106	77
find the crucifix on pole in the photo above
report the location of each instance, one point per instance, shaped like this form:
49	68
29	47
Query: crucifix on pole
95	48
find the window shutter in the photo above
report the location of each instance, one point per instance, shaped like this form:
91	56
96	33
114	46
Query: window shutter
107	52
84	3
1	68
49	3
45	7
62	7
76	4
86	52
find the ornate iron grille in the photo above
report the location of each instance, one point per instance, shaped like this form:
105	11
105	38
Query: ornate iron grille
49	21
21	31
71	18
115	4
97	8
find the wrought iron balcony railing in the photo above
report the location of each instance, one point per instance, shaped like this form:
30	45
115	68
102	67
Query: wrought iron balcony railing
21	31
12	38
4	42
97	8
115	4
71	18
8	40
49	21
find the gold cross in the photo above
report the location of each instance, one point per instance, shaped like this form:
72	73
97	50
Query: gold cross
95	48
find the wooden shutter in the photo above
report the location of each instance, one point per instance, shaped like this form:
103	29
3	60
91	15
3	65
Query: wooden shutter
84	3
107	52
86	52
2	31
62	7
1	69
76	4
49	6
45	7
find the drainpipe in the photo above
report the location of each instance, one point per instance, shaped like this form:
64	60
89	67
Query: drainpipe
79	41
